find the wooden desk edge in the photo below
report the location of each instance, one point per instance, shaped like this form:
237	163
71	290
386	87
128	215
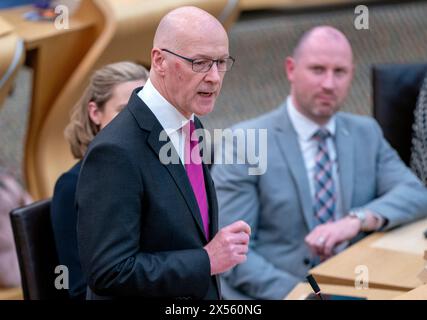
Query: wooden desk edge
11	294
301	290
35	31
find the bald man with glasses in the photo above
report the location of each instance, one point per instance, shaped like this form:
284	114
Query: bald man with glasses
148	227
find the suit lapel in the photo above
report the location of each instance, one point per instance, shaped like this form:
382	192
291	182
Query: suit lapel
344	145
287	139
149	122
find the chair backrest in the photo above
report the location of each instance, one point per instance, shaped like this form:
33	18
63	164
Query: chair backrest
36	251
395	91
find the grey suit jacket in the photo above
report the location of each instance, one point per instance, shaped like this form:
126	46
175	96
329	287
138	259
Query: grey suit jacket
278	205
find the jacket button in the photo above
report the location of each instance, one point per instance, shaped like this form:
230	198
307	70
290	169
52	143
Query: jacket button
306	261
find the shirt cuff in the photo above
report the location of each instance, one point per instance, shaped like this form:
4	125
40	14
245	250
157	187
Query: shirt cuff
380	221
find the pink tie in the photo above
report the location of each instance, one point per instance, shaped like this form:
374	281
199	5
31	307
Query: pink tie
194	168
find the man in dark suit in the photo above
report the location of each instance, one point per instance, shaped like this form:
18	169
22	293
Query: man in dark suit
148	227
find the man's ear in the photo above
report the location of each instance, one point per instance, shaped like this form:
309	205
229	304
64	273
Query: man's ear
289	66
158	62
94	113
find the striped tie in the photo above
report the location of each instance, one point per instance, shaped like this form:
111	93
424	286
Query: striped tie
324	196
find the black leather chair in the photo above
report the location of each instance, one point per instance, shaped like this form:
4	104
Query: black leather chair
395	92
36	251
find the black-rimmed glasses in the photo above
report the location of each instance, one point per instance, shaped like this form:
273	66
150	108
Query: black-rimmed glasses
205	64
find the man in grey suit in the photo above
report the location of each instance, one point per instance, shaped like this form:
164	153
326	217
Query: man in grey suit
330	177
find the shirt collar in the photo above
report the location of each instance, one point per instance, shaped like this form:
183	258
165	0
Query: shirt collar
169	117
305	127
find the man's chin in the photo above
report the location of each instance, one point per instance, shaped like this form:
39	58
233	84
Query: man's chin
326	110
202	110
322	117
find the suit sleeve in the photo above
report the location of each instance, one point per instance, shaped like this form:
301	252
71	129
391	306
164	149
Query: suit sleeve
110	196
401	195
238	199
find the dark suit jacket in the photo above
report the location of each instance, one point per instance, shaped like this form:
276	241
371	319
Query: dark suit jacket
140	231
64	224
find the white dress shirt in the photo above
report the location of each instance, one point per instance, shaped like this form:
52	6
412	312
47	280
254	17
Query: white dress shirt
169	117
305	129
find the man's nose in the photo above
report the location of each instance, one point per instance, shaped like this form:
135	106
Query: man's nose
329	81
213	74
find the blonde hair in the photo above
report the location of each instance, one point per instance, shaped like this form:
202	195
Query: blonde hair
81	130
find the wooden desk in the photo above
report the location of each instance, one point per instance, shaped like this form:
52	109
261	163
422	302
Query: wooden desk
5	27
301	291
11	294
419	293
388	269
37	33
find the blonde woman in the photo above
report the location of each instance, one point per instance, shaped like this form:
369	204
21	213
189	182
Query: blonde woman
107	94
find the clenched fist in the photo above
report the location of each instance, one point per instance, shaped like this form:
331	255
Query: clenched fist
229	247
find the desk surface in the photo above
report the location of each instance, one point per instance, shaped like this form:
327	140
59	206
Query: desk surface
11	294
5	27
301	291
35	31
387	269
419	293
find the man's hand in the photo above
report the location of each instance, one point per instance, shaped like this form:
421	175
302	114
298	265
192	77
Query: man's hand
229	247
325	237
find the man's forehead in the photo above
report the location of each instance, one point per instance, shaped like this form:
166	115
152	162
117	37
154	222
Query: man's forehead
206	44
186	24
326	59
326	51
